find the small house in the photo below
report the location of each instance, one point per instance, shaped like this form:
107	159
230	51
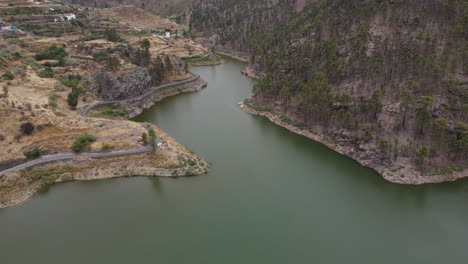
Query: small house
168	33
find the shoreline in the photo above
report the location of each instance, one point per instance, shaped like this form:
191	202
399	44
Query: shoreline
149	164
252	73
109	174
135	108
130	165
232	55
200	61
395	173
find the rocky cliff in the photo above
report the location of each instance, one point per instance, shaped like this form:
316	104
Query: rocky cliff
131	83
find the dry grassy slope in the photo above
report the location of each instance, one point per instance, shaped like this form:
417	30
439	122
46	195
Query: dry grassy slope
136	17
28	101
28	96
56	129
155	6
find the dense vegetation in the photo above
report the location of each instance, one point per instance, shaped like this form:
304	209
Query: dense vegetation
390	73
83	142
35	153
159	67
51	53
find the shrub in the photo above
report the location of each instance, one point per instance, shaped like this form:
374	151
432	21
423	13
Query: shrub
47	72
82	142
106	146
35	153
72	100
421	155
191	162
76	23
53	101
152	137
144	138
27	128
112	63
51	53
112	35
8	75
72	80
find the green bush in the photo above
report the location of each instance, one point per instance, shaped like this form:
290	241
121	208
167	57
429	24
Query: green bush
112	35
82	142
51	53
106	146
72	80
53	101
47	72
191	162
72	100
76	23
8	75
35	153
152	137
112	63
144	138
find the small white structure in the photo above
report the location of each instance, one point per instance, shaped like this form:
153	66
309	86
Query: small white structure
168	33
70	16
65	17
9	28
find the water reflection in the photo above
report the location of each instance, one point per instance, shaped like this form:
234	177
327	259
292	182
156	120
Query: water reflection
157	185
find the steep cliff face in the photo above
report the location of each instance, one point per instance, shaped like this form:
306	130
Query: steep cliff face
145	73
388	79
132	83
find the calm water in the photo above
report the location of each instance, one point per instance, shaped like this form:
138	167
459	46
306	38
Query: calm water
271	197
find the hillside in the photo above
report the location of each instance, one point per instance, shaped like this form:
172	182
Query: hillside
383	82
161	7
55	71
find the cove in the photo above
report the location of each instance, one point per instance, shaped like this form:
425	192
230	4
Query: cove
271	197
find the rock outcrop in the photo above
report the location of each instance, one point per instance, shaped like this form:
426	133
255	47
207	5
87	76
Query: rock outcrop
133	82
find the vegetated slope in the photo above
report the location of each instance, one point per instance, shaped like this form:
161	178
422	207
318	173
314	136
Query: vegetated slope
385	80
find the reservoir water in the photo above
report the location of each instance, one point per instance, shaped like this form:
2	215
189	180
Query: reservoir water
271	197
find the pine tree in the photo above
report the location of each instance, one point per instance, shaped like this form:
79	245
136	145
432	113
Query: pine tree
423	111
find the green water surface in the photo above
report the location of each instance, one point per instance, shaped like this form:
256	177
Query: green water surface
271	197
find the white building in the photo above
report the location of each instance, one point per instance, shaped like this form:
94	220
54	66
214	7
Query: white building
65	17
168	33
70	16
